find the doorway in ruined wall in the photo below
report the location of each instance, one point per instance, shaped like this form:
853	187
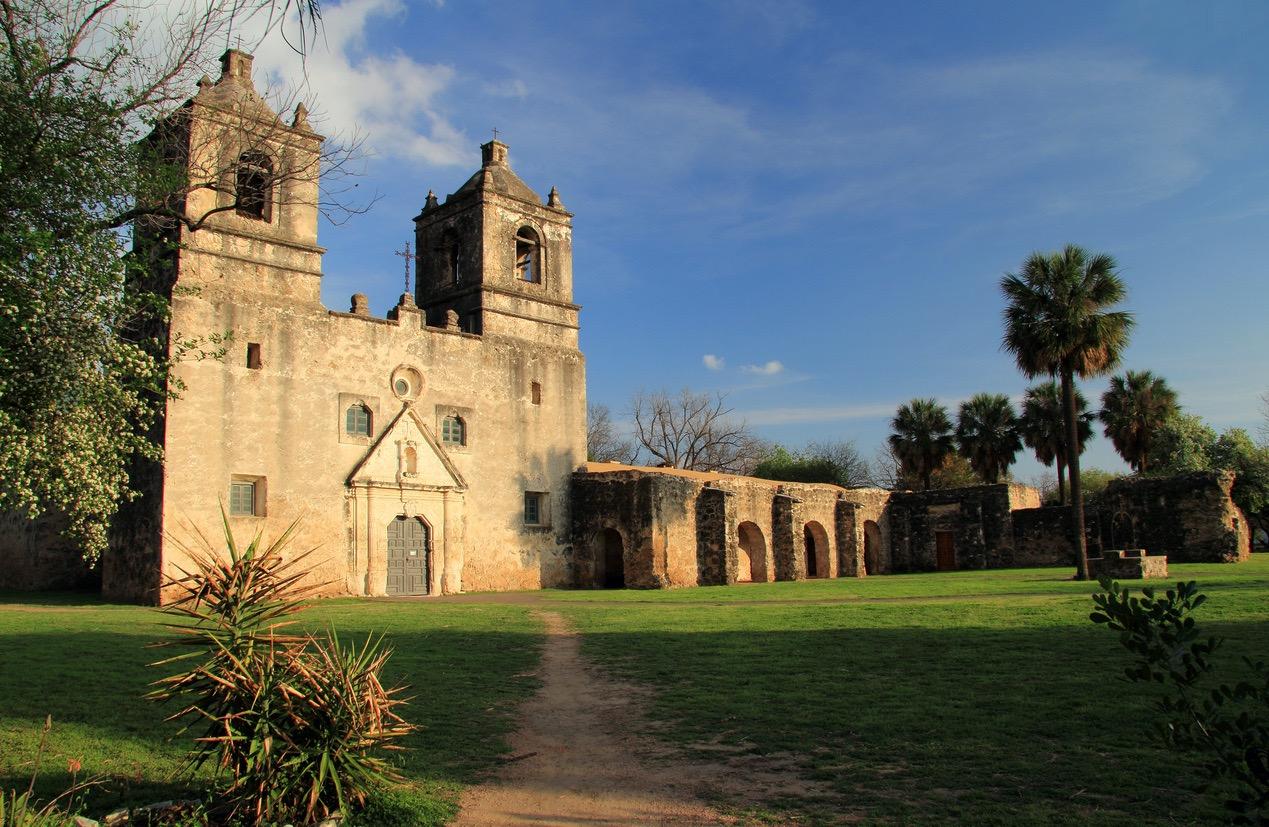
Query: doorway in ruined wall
407	556
751	554
872	548
610	560
945	550
816	544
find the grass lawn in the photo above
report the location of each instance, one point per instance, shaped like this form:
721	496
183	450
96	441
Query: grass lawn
84	662
983	697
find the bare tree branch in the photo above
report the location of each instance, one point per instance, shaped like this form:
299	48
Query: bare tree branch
693	431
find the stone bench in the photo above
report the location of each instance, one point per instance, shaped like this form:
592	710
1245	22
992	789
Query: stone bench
1128	564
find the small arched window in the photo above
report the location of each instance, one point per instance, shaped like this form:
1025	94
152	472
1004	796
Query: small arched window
528	255
357	421
453	259
453	431
255	185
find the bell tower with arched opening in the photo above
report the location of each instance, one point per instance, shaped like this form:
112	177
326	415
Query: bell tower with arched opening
497	257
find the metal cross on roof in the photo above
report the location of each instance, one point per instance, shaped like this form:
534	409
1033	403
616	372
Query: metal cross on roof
495	132
409	257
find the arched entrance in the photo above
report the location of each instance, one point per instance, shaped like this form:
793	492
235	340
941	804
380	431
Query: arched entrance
872	548
816	540
751	553
407	556
610	560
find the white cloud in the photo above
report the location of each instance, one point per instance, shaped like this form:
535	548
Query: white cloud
713	362
390	98
770	368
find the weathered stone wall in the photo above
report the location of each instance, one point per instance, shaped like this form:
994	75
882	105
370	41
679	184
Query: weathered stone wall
34	556
978	518
1042	536
687	529
715	537
1127	564
1190	518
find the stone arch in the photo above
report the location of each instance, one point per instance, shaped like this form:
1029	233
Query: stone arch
751	553
817	550
872	547
1122	531
609	549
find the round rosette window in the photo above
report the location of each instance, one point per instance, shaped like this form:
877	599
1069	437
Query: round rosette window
407	383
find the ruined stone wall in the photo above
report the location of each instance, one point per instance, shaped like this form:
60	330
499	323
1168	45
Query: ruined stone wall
34	556
977	518
715	536
1042	536
1190	518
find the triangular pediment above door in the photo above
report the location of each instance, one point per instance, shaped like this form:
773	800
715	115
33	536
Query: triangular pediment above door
388	462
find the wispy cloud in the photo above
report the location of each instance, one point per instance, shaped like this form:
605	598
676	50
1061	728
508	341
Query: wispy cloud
389	97
814	414
713	362
770	368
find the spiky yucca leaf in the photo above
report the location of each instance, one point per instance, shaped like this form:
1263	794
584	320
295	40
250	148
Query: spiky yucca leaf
288	720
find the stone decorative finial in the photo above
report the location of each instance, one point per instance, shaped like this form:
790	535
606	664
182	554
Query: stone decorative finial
553	200
204	83
431	202
493	154
236	64
360	304
301	116
451	319
406	300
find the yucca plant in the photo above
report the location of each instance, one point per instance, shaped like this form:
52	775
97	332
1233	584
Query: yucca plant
290	721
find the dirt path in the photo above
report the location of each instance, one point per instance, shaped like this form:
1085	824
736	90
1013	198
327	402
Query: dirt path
578	757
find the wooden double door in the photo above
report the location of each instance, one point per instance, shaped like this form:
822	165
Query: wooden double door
408	543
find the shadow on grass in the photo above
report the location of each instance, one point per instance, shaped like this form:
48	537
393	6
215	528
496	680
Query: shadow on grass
982	725
465	687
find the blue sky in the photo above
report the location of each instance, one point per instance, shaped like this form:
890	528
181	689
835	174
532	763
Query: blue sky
822	198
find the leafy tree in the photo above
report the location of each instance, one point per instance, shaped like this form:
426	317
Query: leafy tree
693	431
1134	407
1058	323
1186	443
1043	428
987	434
1095	481
82	375
1183	442
1225	724
838	463
922	438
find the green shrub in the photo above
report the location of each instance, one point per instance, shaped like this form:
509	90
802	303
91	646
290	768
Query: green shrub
289	721
1225	723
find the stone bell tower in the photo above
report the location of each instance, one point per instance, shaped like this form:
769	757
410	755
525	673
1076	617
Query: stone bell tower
498	257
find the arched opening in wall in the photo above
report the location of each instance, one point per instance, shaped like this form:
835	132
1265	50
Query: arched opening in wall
816	542
751	553
528	255
255	186
1122	534
872	548
407	556
610	560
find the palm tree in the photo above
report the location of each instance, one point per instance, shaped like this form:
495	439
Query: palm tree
922	437
1044	429
1058	322
987	433
1134	407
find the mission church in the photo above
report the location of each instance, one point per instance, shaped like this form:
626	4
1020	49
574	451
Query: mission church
442	448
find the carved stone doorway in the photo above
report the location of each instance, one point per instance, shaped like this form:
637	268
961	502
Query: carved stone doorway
407	556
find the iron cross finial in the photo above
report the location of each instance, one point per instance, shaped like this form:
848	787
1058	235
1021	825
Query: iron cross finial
495	133
408	256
